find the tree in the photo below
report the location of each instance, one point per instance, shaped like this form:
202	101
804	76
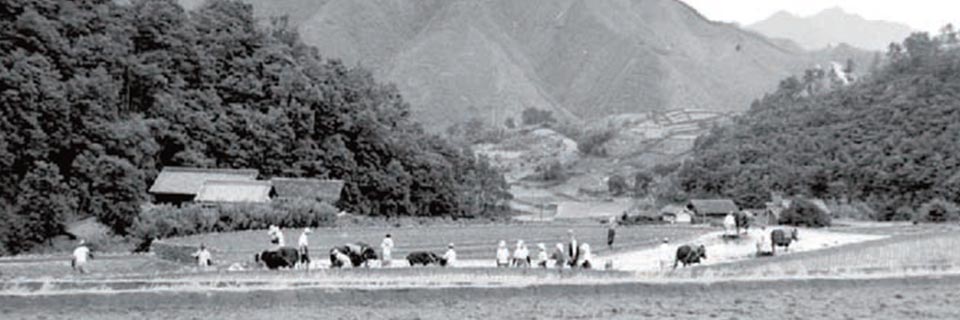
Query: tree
641	183
617	185
43	206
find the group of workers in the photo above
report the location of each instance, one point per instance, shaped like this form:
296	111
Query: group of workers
574	255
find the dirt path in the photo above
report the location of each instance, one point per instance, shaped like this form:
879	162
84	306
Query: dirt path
926	298
719	251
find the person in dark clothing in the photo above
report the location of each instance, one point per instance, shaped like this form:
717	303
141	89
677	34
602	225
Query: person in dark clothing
611	232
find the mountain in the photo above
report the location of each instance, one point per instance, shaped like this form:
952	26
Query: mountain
832	27
454	60
888	140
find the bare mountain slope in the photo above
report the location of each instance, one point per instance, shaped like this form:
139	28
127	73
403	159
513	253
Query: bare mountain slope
458	59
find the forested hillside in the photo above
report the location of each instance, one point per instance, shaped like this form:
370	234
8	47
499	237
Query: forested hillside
96	97
890	140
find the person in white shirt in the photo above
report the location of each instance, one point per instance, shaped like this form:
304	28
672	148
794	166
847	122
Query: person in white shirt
730	225
764	247
203	257
450	256
664	255
276	237
303	246
386	247
586	256
542	257
521	256
503	255
80	256
559	256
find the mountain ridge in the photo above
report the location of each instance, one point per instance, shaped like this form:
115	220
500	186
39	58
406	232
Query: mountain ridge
830	27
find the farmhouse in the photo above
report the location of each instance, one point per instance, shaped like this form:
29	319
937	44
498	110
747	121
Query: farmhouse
712	209
177	185
288	189
235	191
673	213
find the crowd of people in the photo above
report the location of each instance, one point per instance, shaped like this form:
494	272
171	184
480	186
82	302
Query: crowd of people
573	254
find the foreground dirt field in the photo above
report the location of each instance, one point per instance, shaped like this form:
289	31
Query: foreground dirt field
926	298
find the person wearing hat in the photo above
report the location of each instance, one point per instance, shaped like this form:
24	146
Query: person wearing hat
542	257
664	255
80	256
386	247
559	256
303	245
503	255
450	257
521	256
203	256
586	256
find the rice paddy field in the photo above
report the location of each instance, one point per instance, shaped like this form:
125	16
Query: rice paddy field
864	271
472	242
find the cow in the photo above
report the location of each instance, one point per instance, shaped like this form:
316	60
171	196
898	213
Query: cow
284	257
358	253
779	238
688	255
425	258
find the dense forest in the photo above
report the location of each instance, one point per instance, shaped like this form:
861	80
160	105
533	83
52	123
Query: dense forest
96	96
890	140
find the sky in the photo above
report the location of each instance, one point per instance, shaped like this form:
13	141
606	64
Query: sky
923	15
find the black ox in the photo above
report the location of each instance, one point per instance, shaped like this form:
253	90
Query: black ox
358	254
285	257
688	255
425	258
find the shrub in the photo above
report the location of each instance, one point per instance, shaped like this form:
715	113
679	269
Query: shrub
804	213
551	171
592	142
938	210
168	221
617	185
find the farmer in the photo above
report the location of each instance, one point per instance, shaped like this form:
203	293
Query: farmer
764	248
664	255
80	256
573	249
203	257
303	247
559	256
521	256
503	255
450	256
611	231
730	224
386	246
276	237
586	256
542	257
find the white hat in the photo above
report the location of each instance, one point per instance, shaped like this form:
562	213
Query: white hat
503	243
450	245
542	246
307	230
